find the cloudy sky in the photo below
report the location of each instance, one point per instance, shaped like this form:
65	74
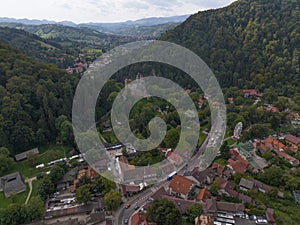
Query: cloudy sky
80	11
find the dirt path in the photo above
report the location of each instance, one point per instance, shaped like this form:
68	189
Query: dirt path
29	181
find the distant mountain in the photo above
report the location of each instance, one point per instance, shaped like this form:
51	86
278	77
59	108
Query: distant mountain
34	22
148	27
142	28
249	44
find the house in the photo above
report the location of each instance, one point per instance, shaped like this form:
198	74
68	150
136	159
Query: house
203	195
129	189
181	204
140	175
244	198
237	166
12	183
246	185
203	178
181	186
293	161
139	218
218	168
212	207
276	144
292	141
252	93
204	220
260	186
23	155
67	182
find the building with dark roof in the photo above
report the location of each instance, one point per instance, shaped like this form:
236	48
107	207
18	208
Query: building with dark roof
12	183
23	155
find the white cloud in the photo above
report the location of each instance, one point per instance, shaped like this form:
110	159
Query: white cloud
103	10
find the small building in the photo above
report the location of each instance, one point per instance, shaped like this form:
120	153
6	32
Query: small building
203	195
246	185
181	186
23	155
292	141
12	183
252	93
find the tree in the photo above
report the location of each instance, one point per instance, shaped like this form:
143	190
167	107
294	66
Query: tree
172	138
215	187
194	211
56	173
83	194
35	209
45	187
32	159
5	160
112	200
163	212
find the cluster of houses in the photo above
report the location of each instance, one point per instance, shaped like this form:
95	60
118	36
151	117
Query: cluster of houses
78	68
194	186
276	146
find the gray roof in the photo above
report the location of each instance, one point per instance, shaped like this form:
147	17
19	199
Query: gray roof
248	184
12	183
23	155
140	174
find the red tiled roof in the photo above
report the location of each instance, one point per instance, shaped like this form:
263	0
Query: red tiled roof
181	185
293	139
238	166
275	143
288	157
203	195
219	168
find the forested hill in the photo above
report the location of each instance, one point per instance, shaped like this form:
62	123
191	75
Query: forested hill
251	43
48	51
32	96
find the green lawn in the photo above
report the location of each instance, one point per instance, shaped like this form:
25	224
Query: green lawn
47	154
19	198
231	142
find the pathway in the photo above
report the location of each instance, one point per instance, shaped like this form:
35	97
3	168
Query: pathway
29	181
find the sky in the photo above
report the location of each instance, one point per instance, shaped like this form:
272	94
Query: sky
82	11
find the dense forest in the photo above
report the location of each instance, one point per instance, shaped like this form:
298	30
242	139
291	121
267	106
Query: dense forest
249	44
32	96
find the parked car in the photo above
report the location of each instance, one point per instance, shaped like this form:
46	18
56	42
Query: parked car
127	206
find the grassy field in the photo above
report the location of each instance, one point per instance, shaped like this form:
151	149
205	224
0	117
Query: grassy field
19	198
47	153
231	142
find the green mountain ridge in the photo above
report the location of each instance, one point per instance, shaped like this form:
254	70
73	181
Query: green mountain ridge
251	43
